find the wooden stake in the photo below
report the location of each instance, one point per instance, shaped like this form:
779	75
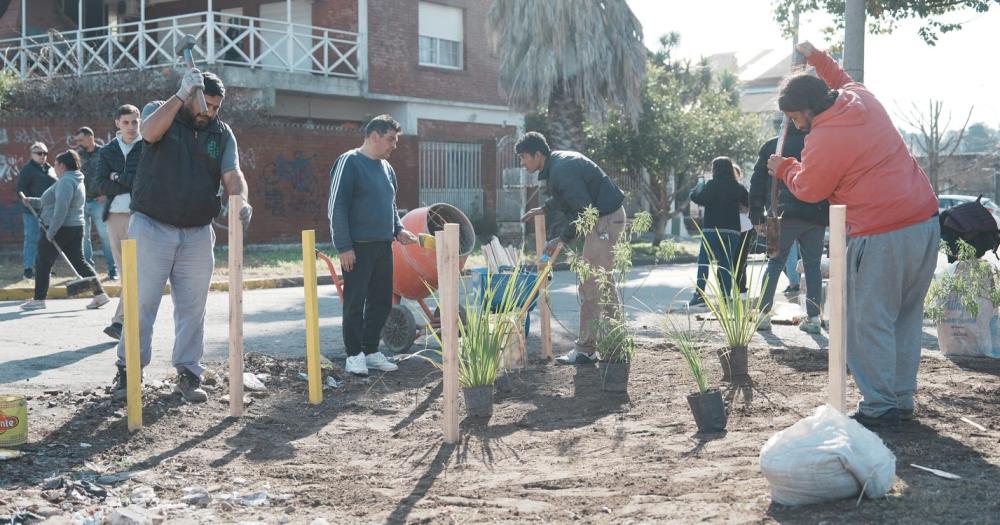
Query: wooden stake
447	267
133	364
543	299
837	390
312	317
235	307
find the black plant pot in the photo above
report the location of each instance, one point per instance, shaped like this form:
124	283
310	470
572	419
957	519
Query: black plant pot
709	411
735	368
478	400
614	376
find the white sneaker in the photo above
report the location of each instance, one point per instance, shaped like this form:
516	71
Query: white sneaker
577	358
811	325
355	364
379	362
33	305
765	323
98	301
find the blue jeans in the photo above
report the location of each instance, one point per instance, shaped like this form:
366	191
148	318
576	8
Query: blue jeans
92	212
31	231
791	264
724	246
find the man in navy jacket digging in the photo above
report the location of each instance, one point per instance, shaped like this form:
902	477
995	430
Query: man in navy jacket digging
363	224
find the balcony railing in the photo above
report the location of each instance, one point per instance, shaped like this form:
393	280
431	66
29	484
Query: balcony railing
221	39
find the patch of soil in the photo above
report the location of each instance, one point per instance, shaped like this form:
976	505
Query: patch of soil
557	449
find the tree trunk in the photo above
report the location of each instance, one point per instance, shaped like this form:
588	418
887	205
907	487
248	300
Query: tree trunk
565	123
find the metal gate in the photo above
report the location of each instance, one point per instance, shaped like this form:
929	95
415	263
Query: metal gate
513	182
452	172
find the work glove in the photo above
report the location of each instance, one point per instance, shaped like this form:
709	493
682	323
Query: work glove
190	82
246	212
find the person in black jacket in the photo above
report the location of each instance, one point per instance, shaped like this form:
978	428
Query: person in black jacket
722	197
187	154
115	169
800	221
88	147
34	178
574	184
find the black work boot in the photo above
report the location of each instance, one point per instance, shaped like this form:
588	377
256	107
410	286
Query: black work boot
120	389
114	331
886	421
189	387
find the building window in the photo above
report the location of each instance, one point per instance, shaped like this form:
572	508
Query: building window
441	35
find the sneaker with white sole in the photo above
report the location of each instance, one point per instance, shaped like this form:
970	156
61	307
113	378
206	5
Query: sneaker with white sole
98	301
355	365
577	358
765	323
811	325
378	361
33	304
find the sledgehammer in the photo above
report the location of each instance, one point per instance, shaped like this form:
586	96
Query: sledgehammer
183	49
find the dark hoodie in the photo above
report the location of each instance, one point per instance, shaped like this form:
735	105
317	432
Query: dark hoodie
789	207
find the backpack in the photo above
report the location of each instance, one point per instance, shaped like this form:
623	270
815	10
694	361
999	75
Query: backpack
972	223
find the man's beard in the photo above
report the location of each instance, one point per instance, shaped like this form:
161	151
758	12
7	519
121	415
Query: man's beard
195	120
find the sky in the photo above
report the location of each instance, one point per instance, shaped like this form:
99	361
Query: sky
900	68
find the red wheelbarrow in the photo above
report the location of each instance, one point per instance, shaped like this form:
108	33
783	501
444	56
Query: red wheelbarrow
414	273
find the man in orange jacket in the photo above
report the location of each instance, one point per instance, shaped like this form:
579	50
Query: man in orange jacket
854	156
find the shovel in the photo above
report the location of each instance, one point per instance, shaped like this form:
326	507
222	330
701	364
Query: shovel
76	286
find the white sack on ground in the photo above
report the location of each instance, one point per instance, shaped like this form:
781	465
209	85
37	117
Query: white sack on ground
826	456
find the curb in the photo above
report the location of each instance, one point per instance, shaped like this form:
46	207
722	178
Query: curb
113	290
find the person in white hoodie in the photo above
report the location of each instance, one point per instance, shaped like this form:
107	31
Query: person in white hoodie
62	218
116	166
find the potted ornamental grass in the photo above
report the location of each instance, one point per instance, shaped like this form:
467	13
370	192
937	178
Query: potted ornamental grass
706	404
739	315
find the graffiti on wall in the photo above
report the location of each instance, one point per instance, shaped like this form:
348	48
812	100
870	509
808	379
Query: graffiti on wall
248	159
298	174
9	166
34	134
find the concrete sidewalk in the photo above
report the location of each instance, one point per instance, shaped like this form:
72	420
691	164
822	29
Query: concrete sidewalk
64	347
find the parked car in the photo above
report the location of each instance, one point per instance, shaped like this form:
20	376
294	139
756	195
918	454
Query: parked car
950	201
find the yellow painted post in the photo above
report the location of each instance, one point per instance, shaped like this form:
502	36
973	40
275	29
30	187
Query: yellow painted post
312	316
133	364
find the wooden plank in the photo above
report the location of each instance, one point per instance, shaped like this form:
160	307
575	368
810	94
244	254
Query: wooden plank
314	373
545	312
133	364
447	262
235	307
837	389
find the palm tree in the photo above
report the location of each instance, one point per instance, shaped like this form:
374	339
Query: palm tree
575	58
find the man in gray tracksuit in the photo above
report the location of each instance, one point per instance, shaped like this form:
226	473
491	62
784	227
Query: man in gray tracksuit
363	224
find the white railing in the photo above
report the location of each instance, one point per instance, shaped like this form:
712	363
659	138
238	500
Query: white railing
221	39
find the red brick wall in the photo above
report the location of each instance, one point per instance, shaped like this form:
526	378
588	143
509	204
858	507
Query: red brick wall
287	170
460	131
42	15
393	55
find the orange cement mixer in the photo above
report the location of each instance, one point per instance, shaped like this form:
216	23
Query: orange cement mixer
414	272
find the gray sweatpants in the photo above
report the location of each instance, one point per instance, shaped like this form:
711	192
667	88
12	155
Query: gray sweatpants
184	256
887	278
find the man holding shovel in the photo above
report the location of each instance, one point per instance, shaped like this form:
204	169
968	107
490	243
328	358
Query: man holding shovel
187	152
855	156
574	184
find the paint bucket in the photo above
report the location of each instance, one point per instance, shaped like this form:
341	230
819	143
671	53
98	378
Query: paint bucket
13	420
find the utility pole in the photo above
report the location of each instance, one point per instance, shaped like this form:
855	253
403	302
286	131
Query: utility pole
854	39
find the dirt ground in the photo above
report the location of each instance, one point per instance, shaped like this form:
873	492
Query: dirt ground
557	450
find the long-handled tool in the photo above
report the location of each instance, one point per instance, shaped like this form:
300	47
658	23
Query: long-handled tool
772	224
76	286
184	47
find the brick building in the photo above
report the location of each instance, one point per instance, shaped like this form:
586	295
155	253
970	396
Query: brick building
316	68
